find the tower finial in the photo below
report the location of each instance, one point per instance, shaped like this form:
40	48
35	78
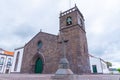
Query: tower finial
40	30
75	5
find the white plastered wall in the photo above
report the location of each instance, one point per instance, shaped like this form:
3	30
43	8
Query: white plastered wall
20	50
100	64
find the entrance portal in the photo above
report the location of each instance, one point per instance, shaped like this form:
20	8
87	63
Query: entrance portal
39	66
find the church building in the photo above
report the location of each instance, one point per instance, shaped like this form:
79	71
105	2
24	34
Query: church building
44	51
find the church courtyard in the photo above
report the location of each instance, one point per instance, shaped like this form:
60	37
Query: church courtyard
49	77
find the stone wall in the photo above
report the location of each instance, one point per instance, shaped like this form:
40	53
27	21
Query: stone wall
48	53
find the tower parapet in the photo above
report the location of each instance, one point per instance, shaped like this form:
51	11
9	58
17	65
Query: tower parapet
71	10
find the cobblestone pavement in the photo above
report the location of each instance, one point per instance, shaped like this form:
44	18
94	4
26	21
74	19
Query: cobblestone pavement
48	77
24	77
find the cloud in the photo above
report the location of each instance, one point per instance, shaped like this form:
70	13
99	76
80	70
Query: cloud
102	27
20	20
24	31
112	51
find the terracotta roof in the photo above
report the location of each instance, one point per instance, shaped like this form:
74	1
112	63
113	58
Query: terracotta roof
9	53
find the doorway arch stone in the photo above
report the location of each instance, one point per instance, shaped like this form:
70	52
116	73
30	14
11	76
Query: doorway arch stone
37	61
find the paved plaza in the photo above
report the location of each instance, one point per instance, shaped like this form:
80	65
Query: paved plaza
50	77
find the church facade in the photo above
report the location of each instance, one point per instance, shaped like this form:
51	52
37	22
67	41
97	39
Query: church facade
44	51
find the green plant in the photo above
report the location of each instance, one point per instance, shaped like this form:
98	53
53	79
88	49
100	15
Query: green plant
109	64
118	70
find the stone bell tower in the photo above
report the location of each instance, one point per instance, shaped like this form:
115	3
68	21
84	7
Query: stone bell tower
73	29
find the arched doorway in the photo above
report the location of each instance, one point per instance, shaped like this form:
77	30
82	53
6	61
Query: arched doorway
39	66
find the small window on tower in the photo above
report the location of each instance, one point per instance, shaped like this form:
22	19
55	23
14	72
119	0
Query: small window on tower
80	21
69	21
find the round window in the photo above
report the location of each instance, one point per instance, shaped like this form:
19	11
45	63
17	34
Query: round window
39	44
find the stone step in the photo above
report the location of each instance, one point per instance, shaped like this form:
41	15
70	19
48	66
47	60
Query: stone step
57	77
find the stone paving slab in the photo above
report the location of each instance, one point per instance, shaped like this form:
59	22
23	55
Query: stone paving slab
99	77
58	77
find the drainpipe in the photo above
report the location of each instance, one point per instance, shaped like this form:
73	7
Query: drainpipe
101	65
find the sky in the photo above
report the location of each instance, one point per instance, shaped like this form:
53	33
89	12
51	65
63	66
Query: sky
21	20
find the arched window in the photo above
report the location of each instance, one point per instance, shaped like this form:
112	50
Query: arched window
16	62
1	60
39	44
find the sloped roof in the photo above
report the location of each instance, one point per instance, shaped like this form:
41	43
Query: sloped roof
5	52
96	57
41	33
8	53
